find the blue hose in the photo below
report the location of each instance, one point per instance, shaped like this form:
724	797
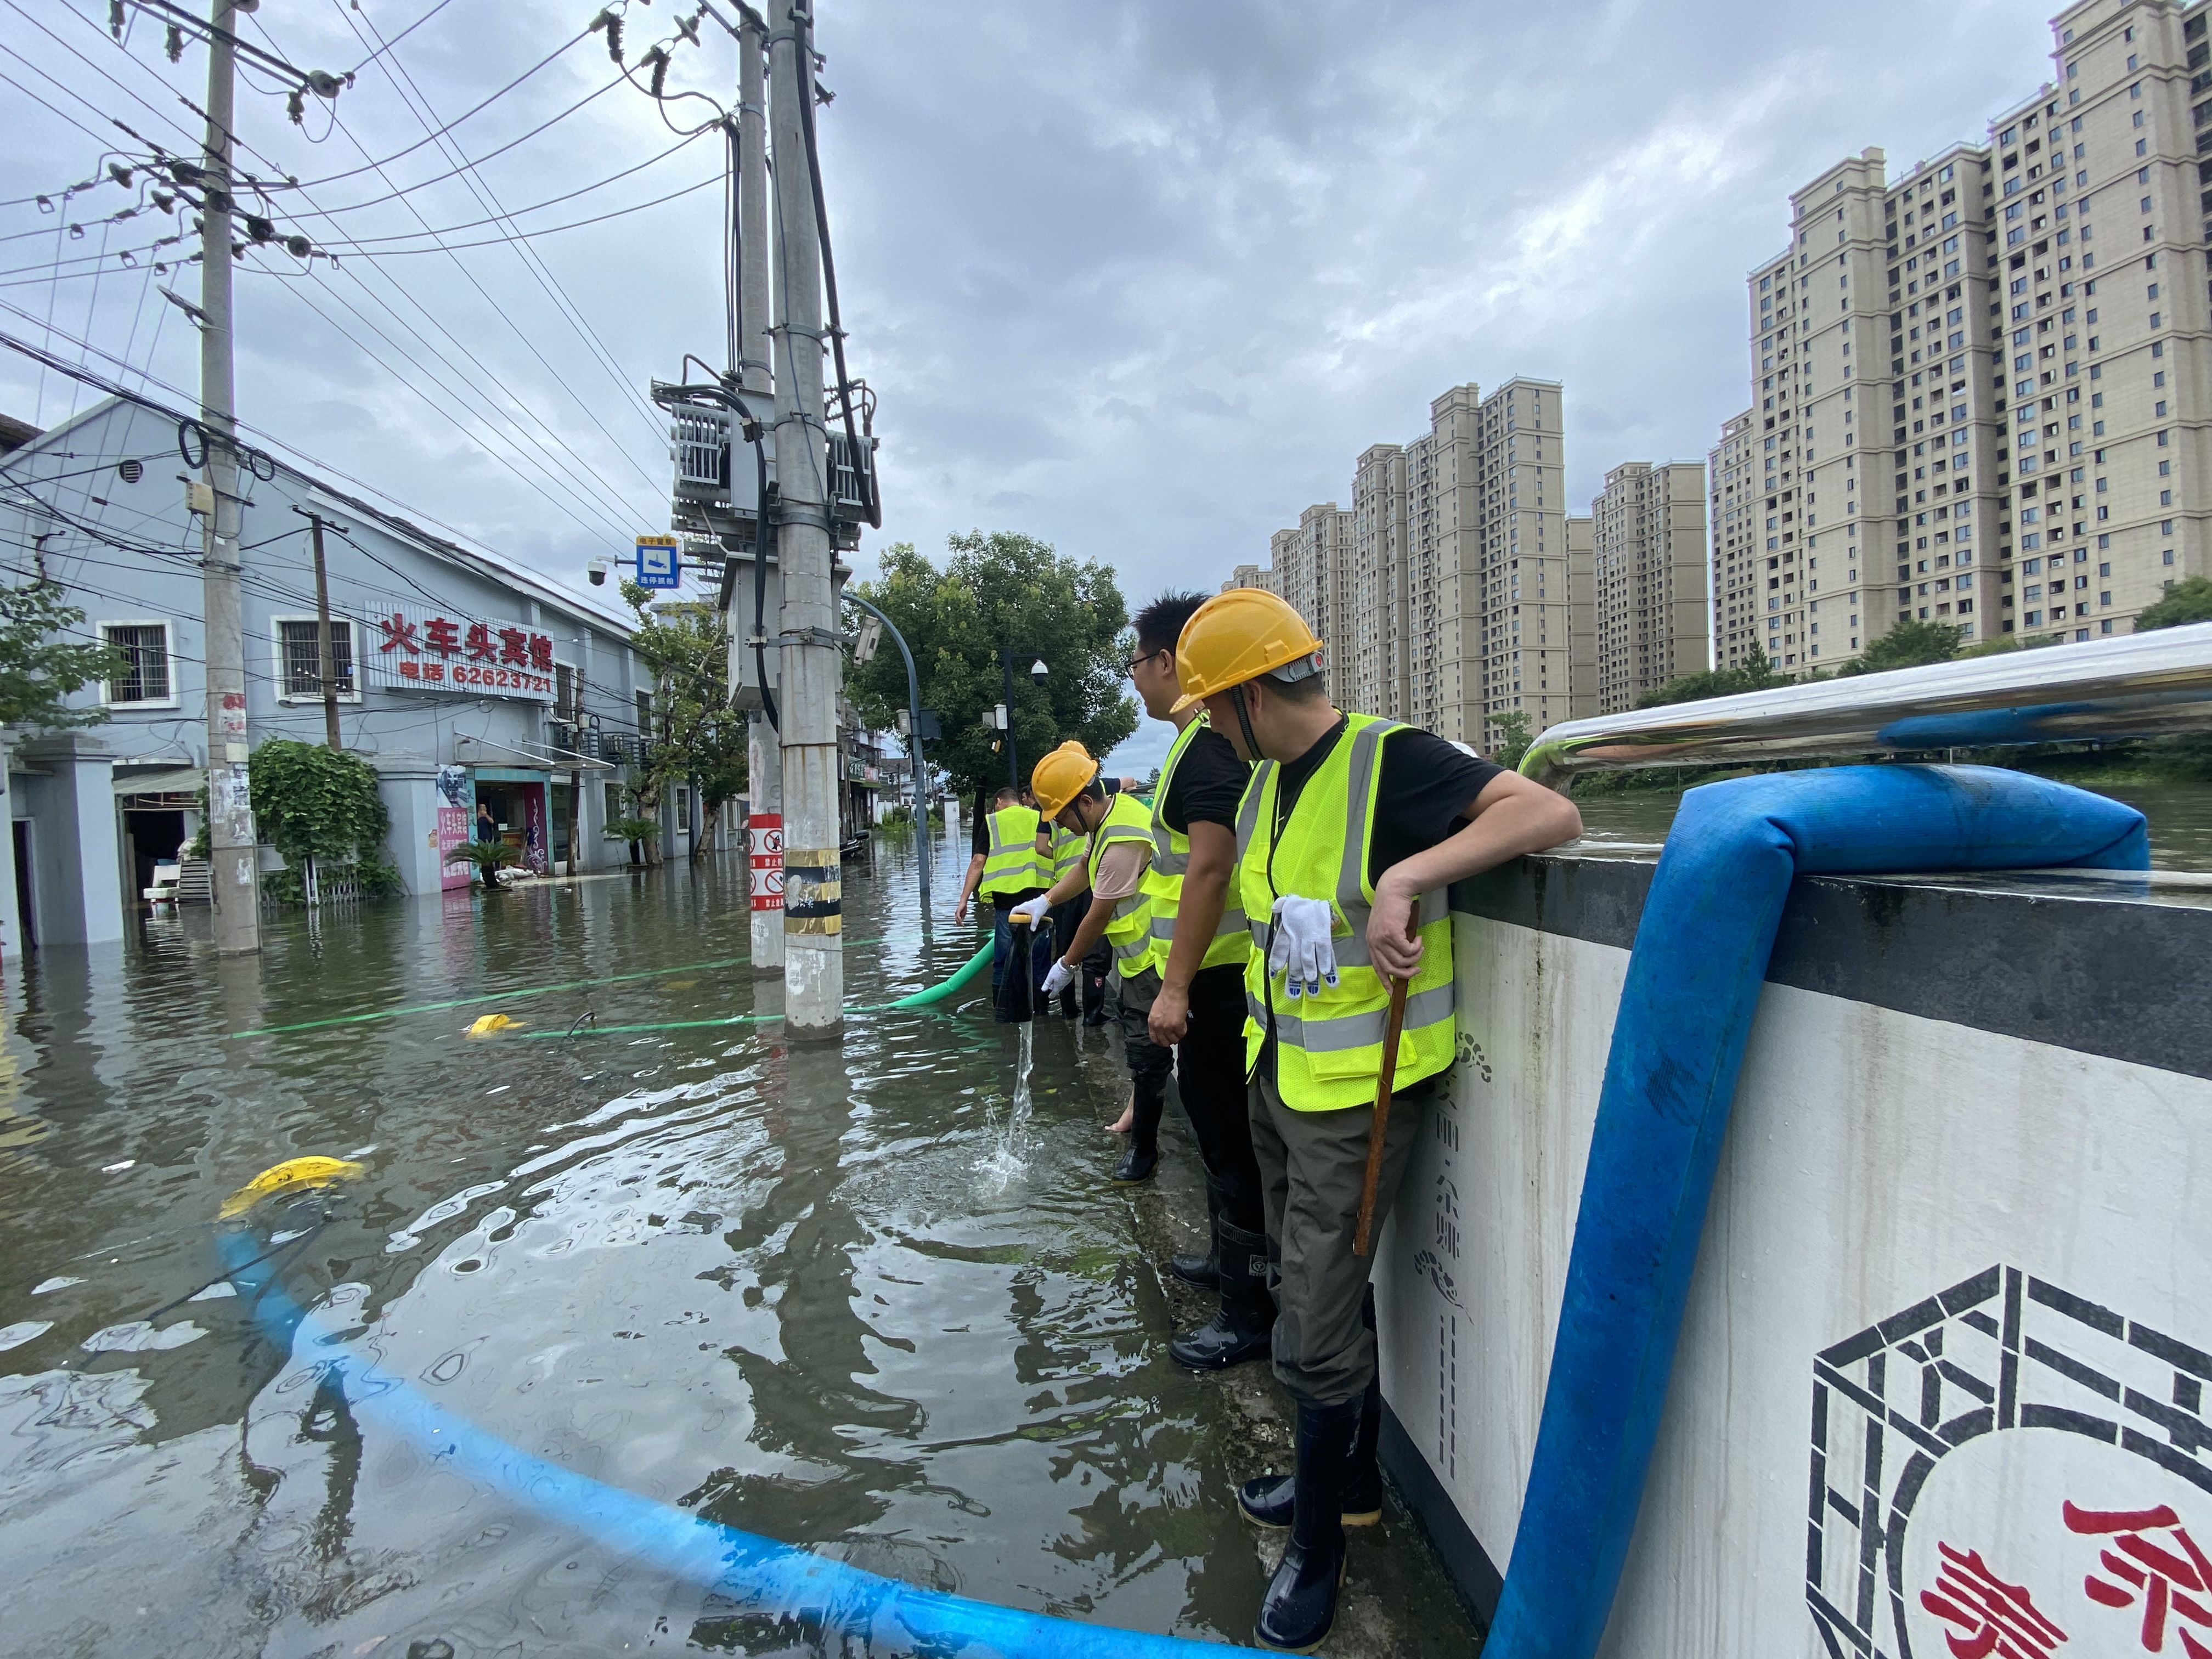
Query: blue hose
1693	983
777	1580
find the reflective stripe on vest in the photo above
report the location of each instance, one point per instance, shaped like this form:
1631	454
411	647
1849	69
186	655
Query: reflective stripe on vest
1067	851
1130	931
1013	865
1171	864
1329	1045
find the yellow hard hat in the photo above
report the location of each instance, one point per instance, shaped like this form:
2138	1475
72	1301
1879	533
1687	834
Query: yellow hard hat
1238	636
1060	776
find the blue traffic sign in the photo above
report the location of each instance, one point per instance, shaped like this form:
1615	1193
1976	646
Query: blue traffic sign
659	561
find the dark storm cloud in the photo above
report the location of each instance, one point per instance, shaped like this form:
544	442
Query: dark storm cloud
1141	279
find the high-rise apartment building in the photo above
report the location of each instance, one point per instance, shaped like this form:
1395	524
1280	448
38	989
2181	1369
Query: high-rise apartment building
1379	579
1452	594
1874	423
1729	514
2103	325
1648	526
1982	392
1253	575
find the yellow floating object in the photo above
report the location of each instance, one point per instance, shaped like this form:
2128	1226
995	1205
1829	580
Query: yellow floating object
292	1174
492	1024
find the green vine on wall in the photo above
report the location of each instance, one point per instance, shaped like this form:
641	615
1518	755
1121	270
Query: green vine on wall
311	801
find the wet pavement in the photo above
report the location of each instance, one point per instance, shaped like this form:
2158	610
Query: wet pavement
815	1293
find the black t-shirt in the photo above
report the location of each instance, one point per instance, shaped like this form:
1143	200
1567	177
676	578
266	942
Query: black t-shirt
1206	784
1424	785
979	840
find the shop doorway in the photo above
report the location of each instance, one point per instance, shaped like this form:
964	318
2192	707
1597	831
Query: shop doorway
25	911
514	813
151	836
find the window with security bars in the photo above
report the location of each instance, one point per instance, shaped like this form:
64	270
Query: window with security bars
303	668
144	649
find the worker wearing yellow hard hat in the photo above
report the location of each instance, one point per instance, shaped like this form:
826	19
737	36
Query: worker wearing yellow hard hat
1069	794
1348	838
1008	868
1199	947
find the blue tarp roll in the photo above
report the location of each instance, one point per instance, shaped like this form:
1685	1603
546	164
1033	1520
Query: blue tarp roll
1694	984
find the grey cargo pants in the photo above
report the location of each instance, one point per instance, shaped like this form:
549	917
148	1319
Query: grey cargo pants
1312	1165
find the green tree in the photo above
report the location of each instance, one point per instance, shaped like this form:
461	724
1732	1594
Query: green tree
697	739
1756	674
1001	589
1910	643
38	671
2006	642
313	802
2189	601
1516	736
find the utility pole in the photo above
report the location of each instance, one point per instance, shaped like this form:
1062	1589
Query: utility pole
234	882
756	344
813	658
326	668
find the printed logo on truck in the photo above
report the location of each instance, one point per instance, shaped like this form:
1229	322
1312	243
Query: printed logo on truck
2010	1471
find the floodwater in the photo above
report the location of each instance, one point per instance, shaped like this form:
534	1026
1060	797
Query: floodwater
2180	816
840	1297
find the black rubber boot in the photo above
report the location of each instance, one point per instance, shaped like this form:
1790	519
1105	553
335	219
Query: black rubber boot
1241	1329
1300	1605
1203	1273
1266	1501
1143	1157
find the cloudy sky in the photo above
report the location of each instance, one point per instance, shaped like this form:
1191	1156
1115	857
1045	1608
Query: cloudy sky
1138	277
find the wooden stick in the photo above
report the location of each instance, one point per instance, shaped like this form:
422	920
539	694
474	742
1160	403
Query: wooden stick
1385	1085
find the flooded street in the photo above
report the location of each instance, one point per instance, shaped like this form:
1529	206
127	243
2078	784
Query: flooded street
819	1294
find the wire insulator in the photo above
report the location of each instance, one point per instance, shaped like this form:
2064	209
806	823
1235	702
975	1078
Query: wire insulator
175	43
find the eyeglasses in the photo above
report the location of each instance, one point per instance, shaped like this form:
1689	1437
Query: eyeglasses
1129	668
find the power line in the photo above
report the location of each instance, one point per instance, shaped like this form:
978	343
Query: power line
397	37
533	262
550	230
505	216
569	512
477	109
585	471
306	459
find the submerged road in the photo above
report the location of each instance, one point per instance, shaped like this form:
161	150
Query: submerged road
815	1295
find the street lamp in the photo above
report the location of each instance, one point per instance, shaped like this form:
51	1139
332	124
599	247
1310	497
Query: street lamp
1039	673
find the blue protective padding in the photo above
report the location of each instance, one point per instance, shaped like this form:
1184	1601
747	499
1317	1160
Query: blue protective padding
1693	983
776	1581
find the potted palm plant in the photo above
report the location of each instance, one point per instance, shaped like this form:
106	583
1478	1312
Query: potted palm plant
489	858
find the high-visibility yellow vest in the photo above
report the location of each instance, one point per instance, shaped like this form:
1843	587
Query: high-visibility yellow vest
1011	866
1068	848
1130	933
1329	1046
1172	863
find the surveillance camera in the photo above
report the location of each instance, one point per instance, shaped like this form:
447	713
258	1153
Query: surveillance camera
597	572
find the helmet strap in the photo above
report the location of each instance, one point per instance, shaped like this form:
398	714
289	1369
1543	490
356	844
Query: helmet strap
1244	720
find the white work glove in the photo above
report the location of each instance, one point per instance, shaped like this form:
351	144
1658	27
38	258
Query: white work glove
1030	913
1059	979
1302	951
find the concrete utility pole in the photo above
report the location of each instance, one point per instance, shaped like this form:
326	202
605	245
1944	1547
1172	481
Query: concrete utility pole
326	668
234	882
813	659
756	344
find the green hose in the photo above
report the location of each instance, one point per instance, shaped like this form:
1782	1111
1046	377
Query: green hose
959	981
